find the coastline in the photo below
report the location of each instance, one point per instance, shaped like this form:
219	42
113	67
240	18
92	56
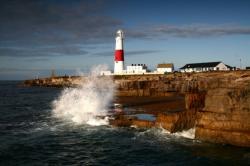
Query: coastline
216	104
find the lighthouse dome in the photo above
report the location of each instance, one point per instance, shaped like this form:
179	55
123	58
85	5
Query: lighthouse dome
119	33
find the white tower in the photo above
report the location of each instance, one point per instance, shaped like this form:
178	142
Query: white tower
119	53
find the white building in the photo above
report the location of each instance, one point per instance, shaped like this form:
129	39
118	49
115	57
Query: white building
165	68
136	69
208	66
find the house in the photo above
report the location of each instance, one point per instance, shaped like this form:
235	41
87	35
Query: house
136	69
165	68
208	66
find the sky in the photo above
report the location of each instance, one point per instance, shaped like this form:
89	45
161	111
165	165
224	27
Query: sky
67	36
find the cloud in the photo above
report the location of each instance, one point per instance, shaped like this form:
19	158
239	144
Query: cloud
141	52
37	60
53	28
103	54
65	22
51	22
185	31
43	28
48	51
200	30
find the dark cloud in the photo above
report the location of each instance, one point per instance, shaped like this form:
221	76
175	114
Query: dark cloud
103	54
141	52
50	22
37	59
48	51
200	31
188	31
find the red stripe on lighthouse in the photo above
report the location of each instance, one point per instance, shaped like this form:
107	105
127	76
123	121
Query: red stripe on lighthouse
119	55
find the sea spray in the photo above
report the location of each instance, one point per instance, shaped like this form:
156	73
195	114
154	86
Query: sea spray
87	103
190	133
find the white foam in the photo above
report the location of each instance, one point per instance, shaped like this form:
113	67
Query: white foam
97	122
85	103
186	133
190	133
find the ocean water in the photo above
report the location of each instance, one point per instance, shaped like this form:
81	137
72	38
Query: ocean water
31	134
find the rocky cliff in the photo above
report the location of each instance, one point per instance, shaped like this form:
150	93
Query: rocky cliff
225	117
217	103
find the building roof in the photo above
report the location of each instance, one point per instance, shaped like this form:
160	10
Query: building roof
165	65
201	65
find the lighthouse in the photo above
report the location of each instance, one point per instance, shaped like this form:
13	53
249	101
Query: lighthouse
119	53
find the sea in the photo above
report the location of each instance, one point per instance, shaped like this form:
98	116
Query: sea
31	133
